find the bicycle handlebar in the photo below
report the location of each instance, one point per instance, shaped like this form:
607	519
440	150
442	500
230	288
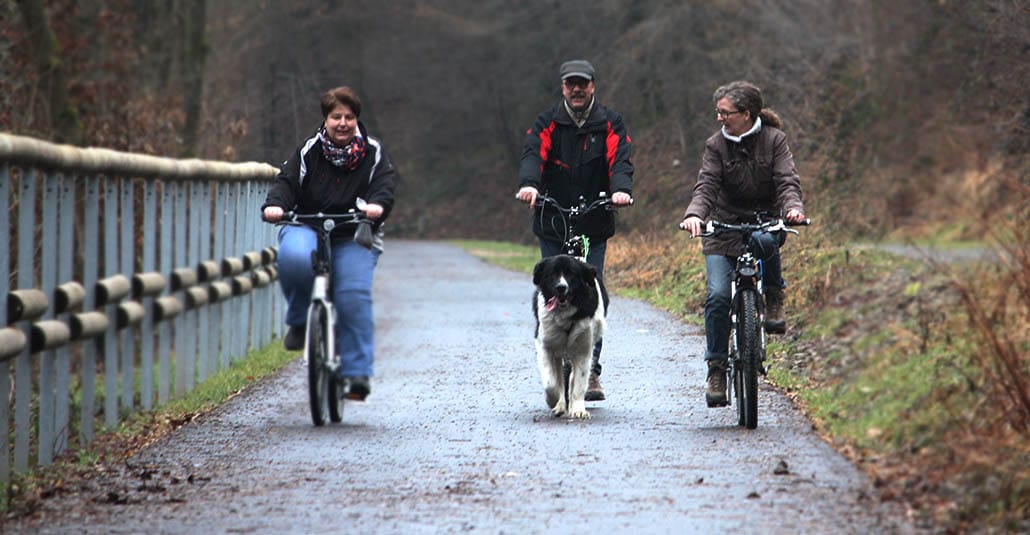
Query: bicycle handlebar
349	217
713	228
290	217
581	209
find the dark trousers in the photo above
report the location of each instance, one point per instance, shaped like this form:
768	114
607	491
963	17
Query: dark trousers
595	257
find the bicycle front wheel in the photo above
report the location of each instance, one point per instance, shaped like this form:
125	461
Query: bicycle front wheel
317	356
749	345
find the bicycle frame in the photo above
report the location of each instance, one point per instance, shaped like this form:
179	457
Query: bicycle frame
321	262
747	275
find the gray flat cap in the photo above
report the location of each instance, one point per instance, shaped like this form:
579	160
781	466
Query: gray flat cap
577	67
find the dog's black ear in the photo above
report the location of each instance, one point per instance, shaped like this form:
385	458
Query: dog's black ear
538	272
589	272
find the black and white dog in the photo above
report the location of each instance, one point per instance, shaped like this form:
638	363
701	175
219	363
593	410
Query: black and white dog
570	304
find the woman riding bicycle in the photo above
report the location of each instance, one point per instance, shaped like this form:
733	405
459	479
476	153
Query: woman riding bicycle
747	168
329	172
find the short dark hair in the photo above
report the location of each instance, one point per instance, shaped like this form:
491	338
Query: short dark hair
340	95
746	96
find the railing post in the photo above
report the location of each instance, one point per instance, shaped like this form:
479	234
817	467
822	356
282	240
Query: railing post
235	334
48	281
90	274
127	336
26	279
149	265
218	349
248	245
183	367
164	341
201	222
65	272
111	337
5	364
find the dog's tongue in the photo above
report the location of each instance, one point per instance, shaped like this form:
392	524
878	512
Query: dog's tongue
552	303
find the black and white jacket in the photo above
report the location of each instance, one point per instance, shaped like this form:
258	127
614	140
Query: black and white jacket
309	183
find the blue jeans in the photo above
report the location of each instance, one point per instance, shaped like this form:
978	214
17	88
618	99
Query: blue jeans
764	246
595	257
353	267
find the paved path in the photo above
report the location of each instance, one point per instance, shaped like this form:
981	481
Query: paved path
456	437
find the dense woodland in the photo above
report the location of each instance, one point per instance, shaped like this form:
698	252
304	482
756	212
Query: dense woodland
906	117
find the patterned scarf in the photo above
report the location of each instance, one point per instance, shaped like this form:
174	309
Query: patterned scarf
348	157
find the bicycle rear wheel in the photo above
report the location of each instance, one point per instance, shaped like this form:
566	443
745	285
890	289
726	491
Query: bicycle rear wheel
749	347
317	356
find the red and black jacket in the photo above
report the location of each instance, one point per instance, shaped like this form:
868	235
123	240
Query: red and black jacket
564	161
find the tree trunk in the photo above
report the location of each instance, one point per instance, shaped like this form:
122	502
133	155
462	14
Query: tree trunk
62	116
193	73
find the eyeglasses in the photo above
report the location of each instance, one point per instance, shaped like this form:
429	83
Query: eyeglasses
575	82
724	114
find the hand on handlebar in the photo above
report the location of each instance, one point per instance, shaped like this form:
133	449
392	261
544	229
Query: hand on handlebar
372	211
528	194
272	214
692	224
621	198
795	216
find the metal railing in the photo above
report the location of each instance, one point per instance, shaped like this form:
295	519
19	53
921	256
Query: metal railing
129	279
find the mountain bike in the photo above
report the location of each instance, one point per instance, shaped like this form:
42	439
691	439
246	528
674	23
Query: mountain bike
573	242
747	315
325	392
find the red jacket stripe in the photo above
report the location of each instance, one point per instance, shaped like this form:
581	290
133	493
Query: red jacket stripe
612	142
545	144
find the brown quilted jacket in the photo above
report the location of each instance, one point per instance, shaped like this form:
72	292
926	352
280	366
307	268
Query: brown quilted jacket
738	179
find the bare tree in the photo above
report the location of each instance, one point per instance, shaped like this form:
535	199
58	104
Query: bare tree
193	73
62	116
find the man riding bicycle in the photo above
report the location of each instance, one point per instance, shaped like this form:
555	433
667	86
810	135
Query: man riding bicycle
577	149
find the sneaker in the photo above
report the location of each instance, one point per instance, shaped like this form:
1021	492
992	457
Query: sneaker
774	322
294	339
359	388
715	395
594	390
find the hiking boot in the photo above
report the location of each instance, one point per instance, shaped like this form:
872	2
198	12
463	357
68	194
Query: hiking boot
715	395
774	322
359	388
594	390
294	339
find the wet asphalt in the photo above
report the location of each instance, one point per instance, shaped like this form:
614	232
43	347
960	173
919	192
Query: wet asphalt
456	437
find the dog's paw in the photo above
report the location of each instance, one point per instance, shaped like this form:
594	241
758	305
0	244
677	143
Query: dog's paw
558	409
581	414
578	410
551	396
